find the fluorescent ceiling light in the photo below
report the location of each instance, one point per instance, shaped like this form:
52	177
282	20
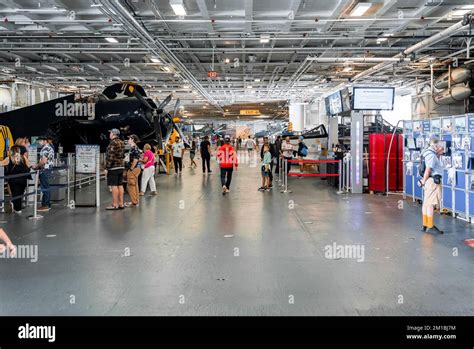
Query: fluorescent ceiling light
257	80
155	60
360	9
96	5
178	7
468	7
249	86
379	40
347	69
112	40
227	60
264	39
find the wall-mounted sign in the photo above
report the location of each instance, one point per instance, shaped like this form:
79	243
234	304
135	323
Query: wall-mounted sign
212	74
86	158
249	112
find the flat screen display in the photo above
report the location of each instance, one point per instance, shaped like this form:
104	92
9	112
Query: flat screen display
373	98
346	100
411	144
335	103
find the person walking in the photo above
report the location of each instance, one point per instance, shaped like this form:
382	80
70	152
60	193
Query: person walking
250	144
114	167
302	152
148	175
133	170
431	183
227	157
205	148
287	152
192	153
178	151
266	170
45	165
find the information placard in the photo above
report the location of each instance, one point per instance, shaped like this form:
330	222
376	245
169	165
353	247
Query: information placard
86	158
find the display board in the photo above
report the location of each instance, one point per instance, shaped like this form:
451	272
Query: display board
373	98
86	158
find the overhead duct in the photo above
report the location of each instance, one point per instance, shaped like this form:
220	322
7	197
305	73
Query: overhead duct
120	14
461	25
356	59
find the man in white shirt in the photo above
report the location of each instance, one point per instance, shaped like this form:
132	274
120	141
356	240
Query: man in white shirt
250	145
287	151
178	151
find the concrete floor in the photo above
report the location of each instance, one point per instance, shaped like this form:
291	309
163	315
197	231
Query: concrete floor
181	263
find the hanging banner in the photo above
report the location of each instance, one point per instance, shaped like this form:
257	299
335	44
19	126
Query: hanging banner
86	158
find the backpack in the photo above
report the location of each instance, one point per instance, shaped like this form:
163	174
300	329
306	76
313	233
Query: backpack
304	150
422	166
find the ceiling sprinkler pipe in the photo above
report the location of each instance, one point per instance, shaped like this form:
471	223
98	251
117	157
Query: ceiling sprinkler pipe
414	48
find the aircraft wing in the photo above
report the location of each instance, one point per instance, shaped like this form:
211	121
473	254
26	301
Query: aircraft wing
35	119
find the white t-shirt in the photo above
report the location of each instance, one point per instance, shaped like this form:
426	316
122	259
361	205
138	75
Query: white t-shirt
287	149
250	143
177	149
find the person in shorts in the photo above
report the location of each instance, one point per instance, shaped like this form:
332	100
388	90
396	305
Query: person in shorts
266	171
114	167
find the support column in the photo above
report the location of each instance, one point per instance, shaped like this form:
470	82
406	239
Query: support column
297	114
357	152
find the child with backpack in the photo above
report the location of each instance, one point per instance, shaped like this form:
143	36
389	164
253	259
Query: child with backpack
302	151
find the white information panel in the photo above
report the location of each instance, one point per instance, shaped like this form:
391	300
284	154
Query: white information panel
86	158
373	98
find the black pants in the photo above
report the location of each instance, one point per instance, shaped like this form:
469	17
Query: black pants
271	171
226	176
178	164
288	164
17	189
206	160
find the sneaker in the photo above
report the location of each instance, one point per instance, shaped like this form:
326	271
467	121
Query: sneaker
261	189
19	212
434	230
224	190
154	193
141	193
43	208
268	189
209	172
111	208
423	228
227	190
179	173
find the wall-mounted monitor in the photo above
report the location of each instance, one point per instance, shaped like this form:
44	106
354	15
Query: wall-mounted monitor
373	98
335	103
346	100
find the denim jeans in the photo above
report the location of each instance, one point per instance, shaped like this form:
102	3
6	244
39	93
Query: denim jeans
44	177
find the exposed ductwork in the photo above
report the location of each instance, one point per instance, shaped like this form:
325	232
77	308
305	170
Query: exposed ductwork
120	14
414	48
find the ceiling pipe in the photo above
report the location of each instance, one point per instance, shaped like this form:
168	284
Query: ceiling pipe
414	48
356	59
157	47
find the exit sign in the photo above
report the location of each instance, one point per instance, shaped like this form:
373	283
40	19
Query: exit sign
212	74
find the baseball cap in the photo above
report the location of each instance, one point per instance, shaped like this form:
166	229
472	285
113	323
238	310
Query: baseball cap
115	131
134	138
301	137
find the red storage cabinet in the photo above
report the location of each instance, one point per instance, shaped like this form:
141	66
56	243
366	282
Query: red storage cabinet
378	151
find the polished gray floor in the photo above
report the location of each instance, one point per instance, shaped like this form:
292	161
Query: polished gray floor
273	262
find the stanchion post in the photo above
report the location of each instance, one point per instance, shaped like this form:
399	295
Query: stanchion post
97	184
68	188
35	202
339	170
